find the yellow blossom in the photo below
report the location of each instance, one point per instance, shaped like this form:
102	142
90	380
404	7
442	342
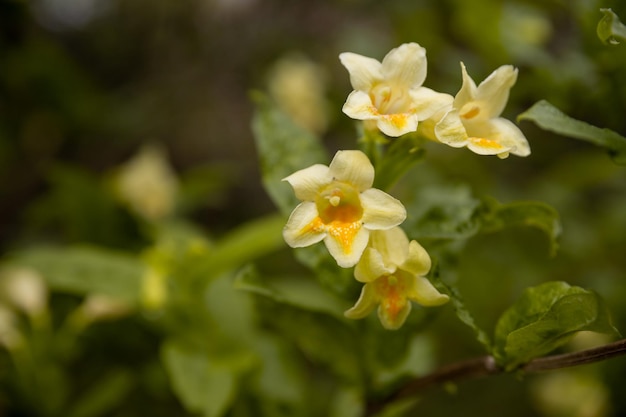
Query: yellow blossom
25	289
393	270
298	86
474	121
390	93
147	184
340	207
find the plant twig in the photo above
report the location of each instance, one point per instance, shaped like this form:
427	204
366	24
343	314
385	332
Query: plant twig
486	365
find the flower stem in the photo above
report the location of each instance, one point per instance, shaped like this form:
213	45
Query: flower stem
486	365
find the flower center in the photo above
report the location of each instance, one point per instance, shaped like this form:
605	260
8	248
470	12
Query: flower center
392	289
469	111
339	202
387	100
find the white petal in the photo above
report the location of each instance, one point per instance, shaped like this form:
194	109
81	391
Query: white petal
405	67
467	92
364	71
395	321
307	182
493	92
380	210
359	106
347	255
427	102
371	266
511	136
398	124
303	227
364	305
424	293
495	137
392	244
354	168
450	130
418	261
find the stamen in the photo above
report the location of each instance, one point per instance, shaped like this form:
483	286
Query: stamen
334	200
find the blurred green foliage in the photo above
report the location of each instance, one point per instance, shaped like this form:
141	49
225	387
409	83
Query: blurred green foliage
205	311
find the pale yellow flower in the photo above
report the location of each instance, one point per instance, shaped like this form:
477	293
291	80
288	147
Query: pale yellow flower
298	85
474	118
25	289
390	93
340	207
147	184
393	270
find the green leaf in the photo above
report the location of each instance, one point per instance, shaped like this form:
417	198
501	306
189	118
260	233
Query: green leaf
525	213
451	212
316	257
245	243
284	148
202	386
326	342
280	378
442	212
296	291
461	309
108	391
85	270
610	30
544	318
401	155
548	117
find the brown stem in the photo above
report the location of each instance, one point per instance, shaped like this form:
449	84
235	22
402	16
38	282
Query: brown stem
486	365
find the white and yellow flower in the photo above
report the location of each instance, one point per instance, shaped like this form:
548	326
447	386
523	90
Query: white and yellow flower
393	270
474	118
390	94
340	207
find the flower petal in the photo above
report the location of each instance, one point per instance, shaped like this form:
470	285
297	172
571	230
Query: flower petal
364	71
380	210
422	291
493	92
405	67
392	244
426	102
359	106
393	316
486	146
346	243
397	124
371	266
467	92
304	227
450	130
511	136
418	261
307	182
364	305
495	137
354	168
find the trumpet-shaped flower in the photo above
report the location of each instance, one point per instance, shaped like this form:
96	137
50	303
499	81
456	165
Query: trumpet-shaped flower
340	207
474	118
393	270
391	93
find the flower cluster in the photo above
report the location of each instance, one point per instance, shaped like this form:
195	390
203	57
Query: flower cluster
390	94
359	224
